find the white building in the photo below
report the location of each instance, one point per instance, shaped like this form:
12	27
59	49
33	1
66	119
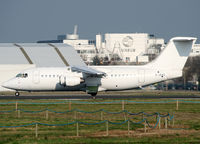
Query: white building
125	47
86	48
130	47
195	50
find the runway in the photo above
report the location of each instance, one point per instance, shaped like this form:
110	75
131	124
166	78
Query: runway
97	97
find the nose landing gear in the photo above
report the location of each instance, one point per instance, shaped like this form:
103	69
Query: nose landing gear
17	93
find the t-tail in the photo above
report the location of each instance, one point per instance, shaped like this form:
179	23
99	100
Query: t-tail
173	58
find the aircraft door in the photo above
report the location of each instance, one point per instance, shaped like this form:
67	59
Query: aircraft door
36	76
19	83
141	76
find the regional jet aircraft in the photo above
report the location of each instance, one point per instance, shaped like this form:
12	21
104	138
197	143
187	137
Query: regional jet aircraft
92	79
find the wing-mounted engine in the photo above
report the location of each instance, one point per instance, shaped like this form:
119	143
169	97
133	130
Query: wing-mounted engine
70	80
92	78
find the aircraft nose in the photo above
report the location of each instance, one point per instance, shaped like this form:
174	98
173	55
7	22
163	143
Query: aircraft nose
5	84
9	84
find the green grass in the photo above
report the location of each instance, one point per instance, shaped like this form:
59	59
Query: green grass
18	139
188	117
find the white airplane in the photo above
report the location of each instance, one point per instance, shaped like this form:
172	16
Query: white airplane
92	79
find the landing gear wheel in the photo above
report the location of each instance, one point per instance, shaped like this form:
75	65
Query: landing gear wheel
93	95
16	93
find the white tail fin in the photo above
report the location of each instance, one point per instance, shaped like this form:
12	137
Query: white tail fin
175	54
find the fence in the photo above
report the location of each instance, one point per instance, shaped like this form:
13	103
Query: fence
144	121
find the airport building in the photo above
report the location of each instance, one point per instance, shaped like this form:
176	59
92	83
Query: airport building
85	48
131	47
137	48
124	47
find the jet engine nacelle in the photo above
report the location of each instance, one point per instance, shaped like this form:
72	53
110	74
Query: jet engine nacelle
69	80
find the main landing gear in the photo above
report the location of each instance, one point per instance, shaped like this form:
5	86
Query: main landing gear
17	93
93	94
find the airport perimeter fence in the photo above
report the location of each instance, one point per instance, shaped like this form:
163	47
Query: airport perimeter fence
76	111
144	121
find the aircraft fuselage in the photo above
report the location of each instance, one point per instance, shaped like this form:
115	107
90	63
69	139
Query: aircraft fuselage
116	78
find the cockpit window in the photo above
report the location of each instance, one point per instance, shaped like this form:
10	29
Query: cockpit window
22	75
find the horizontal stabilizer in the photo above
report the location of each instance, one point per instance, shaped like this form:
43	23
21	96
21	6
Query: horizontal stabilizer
183	39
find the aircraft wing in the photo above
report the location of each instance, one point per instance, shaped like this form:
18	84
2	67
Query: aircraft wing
87	70
71	58
68	54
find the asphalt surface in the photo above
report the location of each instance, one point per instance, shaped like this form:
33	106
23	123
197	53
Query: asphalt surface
97	97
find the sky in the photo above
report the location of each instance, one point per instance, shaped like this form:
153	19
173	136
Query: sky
33	20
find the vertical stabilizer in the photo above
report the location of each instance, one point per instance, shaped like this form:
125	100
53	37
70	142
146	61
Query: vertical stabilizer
175	54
